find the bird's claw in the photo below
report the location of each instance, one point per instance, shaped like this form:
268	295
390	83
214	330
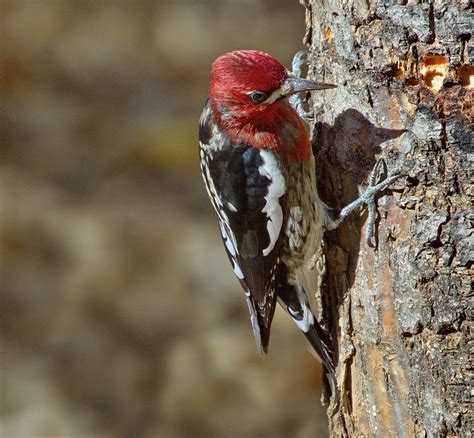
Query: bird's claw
378	173
378	181
295	100
298	61
297	103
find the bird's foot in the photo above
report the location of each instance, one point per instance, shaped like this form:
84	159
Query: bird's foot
298	61
296	101
378	181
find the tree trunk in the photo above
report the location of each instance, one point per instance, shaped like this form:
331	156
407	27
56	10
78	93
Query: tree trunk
400	314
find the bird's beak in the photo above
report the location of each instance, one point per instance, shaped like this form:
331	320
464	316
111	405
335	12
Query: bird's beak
294	85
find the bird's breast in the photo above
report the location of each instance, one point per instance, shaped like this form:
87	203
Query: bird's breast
303	224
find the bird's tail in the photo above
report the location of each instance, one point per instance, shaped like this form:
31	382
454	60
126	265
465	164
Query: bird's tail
260	325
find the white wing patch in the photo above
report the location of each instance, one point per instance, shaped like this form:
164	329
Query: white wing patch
276	190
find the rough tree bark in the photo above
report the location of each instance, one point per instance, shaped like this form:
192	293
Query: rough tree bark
400	315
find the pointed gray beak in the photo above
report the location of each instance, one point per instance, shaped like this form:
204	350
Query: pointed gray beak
293	85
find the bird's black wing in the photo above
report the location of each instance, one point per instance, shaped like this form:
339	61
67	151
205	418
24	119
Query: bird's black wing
247	190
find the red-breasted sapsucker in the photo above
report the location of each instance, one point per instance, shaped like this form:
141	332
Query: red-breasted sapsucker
259	171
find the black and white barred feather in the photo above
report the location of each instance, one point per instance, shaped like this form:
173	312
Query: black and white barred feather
271	221
246	188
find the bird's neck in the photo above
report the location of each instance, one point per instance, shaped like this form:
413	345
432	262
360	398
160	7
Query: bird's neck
278	127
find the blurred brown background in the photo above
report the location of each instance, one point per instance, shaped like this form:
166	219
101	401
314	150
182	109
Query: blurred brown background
120	314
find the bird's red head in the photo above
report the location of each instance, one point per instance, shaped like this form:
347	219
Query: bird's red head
236	75
248	94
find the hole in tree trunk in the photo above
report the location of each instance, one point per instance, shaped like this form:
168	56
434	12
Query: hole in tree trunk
433	70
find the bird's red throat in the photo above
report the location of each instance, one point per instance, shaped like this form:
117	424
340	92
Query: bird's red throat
278	127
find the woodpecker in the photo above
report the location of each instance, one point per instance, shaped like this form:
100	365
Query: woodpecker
259	172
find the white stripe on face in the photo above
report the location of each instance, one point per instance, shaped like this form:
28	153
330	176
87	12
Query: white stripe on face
276	94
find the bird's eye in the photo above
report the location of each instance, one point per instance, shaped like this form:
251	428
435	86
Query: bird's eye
258	96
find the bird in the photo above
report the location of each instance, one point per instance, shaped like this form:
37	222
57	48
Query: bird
259	172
